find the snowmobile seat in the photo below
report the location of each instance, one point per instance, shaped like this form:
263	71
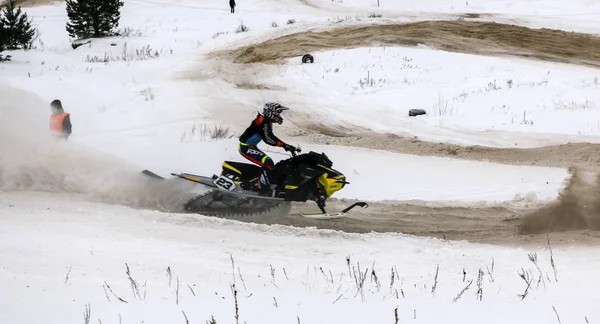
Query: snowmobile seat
243	170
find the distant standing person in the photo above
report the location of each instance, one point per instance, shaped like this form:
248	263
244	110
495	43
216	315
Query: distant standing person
232	5
60	121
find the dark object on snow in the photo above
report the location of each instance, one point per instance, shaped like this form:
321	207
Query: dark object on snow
416	112
93	19
232	5
307	58
80	42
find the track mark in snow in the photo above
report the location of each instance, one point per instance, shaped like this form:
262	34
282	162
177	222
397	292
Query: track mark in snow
485	38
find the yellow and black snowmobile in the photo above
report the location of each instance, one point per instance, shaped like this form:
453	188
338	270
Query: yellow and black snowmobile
303	177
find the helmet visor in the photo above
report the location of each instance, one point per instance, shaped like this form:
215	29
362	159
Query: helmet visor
276	117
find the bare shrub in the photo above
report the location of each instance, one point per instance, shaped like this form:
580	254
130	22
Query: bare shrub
374	278
557	316
107	289
573	104
236	304
435	280
461	97
205	132
526	121
552	263
340	19
242	28
528	278
534	259
135	287
67	276
87	314
220	132
291	21
128	31
274	24
169	275
490	271
493	86
140	54
219	34
479	292
375	15
462	291
148	94
442	107
370	82
359	280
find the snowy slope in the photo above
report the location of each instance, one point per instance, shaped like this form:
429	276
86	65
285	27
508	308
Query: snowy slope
575	15
376	87
59	254
526	7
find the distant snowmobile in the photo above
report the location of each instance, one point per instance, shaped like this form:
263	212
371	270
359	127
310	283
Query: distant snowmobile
300	178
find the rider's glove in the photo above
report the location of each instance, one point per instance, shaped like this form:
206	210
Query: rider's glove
290	148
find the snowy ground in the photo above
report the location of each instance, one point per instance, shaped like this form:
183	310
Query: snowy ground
575	15
527	7
61	254
376	87
61	249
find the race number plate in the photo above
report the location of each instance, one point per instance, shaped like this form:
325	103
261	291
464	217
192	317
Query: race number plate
224	183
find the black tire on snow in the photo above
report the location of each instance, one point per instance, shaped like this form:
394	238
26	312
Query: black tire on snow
307	58
416	112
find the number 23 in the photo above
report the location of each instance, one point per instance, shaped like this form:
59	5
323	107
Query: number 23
224	183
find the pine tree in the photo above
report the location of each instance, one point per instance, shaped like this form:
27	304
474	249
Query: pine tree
18	33
93	18
2	40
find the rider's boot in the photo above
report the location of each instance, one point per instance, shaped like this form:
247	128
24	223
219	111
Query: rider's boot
264	187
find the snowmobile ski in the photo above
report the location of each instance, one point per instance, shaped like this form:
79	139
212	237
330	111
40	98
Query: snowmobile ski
152	174
341	214
324	216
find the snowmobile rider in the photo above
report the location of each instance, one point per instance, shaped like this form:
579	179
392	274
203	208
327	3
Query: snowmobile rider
261	129
60	121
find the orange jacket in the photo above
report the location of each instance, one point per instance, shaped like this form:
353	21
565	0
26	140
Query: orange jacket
56	122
